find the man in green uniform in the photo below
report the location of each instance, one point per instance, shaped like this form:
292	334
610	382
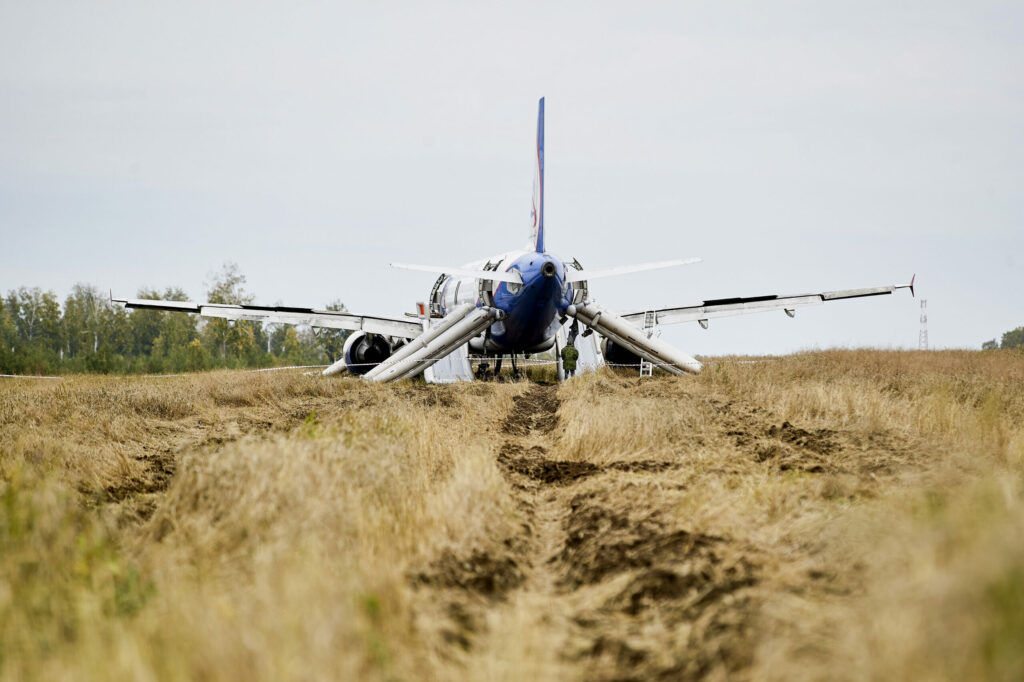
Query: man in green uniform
569	355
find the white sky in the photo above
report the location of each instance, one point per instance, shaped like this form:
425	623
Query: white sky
796	147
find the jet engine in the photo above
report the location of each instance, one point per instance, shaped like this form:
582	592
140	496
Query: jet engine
365	351
614	354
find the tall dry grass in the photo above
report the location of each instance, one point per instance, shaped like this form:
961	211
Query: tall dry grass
231	526
905	559
281	551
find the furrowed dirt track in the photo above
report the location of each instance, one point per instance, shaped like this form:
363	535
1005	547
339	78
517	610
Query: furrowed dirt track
621	590
602	570
781	520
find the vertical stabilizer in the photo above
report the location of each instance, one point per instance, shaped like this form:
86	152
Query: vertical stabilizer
537	212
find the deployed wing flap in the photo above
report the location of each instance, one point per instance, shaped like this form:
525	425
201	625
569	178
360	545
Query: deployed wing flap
727	307
313	317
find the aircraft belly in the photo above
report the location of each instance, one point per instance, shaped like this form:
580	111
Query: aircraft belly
531	314
523	330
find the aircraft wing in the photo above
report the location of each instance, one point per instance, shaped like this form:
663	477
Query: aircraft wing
387	326
727	307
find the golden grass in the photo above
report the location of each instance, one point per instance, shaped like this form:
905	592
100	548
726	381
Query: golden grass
838	515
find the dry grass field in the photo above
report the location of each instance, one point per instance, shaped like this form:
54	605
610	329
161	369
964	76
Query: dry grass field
840	515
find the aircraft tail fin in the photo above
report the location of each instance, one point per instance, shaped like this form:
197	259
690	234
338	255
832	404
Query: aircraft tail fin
536	242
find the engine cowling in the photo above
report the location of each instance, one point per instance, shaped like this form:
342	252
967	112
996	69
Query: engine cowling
615	354
365	351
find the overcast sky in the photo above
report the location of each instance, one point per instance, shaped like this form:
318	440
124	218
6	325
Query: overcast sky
796	147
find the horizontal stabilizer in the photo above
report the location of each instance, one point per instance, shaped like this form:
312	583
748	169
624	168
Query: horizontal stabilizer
581	275
493	275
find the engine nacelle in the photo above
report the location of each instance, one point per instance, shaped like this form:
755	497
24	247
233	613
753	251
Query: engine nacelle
615	354
365	351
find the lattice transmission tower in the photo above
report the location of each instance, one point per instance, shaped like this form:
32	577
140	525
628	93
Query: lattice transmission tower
922	336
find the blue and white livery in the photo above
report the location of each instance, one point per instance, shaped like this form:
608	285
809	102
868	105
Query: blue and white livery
515	303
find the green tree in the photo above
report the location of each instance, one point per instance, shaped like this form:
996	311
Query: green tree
83	320
277	335
1013	338
222	336
332	341
196	357
36	316
8	340
53	333
990	345
147	325
177	331
292	348
116	335
37	322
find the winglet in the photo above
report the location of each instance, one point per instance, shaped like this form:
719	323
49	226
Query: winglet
912	278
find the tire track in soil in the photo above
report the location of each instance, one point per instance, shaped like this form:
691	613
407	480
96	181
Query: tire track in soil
605	584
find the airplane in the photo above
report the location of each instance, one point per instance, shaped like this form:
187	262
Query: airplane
518	302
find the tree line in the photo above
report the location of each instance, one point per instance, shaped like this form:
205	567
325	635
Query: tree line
1011	339
87	333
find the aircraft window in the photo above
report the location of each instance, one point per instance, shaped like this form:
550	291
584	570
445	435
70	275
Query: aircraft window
513	287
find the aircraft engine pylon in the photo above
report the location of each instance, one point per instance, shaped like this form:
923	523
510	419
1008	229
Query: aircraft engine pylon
632	338
458	327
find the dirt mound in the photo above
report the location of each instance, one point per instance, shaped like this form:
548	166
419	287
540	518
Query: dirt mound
821	441
601	541
684	609
718	639
532	464
480	573
753	429
535	466
159	470
643	465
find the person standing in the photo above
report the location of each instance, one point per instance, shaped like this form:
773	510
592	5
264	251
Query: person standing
569	355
